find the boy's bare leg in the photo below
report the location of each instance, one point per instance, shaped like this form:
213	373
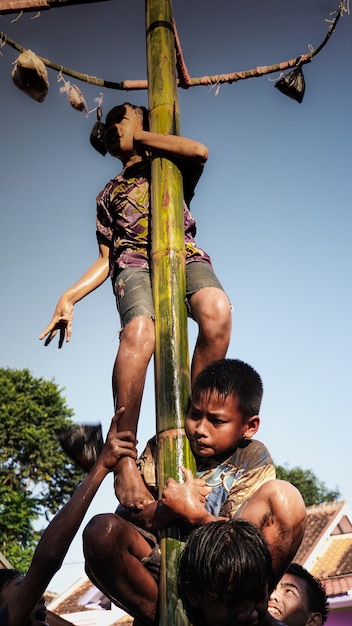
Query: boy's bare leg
113	550
278	509
137	343
211	310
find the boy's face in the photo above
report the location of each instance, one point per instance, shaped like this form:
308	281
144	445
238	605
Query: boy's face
214	425
119	134
289	603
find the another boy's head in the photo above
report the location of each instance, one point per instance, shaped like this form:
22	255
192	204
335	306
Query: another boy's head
299	598
6	584
224	406
223	574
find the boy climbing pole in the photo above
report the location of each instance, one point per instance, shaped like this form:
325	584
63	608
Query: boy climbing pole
235	479
123	233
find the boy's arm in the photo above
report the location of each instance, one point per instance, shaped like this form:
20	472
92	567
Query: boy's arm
187	500
258	468
184	501
63	314
58	536
171	145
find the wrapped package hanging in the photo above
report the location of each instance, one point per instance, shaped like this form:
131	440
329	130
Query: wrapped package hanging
74	96
82	443
30	75
97	134
292	84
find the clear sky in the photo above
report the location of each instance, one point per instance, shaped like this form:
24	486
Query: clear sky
273	209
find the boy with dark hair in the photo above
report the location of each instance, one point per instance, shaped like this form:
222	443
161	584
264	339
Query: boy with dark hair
235	479
299	599
21	597
224	574
124	239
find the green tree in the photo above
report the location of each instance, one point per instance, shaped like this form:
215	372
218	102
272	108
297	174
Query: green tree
36	476
312	489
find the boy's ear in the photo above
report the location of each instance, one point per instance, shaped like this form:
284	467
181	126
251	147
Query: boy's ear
315	619
251	426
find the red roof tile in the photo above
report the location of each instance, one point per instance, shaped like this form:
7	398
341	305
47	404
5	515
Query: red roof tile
337	586
70	604
319	516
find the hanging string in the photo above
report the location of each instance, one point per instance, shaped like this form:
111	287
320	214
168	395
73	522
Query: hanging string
186	81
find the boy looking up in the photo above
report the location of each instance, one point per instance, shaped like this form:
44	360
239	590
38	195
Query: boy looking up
299	599
124	240
235	479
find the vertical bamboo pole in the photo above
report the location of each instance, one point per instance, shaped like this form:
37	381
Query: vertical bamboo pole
168	276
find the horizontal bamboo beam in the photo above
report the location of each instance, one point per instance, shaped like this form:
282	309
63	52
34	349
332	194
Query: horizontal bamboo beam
19	6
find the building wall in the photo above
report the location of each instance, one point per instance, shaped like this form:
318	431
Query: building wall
339	618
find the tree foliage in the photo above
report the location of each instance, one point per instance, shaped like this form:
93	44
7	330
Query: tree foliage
312	489
36	476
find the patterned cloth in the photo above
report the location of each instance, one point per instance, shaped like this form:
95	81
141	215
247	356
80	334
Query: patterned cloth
123	217
233	482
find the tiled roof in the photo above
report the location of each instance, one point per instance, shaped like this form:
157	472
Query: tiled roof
337	586
70	603
329	529
319	517
336	560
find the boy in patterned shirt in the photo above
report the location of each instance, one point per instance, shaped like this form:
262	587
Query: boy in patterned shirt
235	479
123	233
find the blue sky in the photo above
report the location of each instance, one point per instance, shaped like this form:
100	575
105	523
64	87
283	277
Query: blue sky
272	208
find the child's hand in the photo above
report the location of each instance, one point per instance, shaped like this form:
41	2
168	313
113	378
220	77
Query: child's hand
187	499
117	444
62	321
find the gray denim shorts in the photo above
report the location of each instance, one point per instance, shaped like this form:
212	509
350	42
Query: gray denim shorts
133	290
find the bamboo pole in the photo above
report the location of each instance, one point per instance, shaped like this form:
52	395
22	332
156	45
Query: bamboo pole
168	270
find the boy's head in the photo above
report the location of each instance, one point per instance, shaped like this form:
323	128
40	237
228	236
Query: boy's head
6	576
223	574
231	377
10	580
103	140
116	114
224	407
299	598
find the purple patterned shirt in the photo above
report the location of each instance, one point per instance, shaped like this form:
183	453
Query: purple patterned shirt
123	218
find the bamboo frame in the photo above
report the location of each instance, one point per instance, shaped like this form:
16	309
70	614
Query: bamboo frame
185	81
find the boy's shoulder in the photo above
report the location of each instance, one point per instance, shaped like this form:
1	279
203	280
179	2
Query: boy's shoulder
249	456
252	449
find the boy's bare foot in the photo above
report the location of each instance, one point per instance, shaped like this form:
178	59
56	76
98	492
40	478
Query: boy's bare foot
130	489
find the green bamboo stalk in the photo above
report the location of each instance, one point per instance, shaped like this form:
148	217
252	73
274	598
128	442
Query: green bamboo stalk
172	382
